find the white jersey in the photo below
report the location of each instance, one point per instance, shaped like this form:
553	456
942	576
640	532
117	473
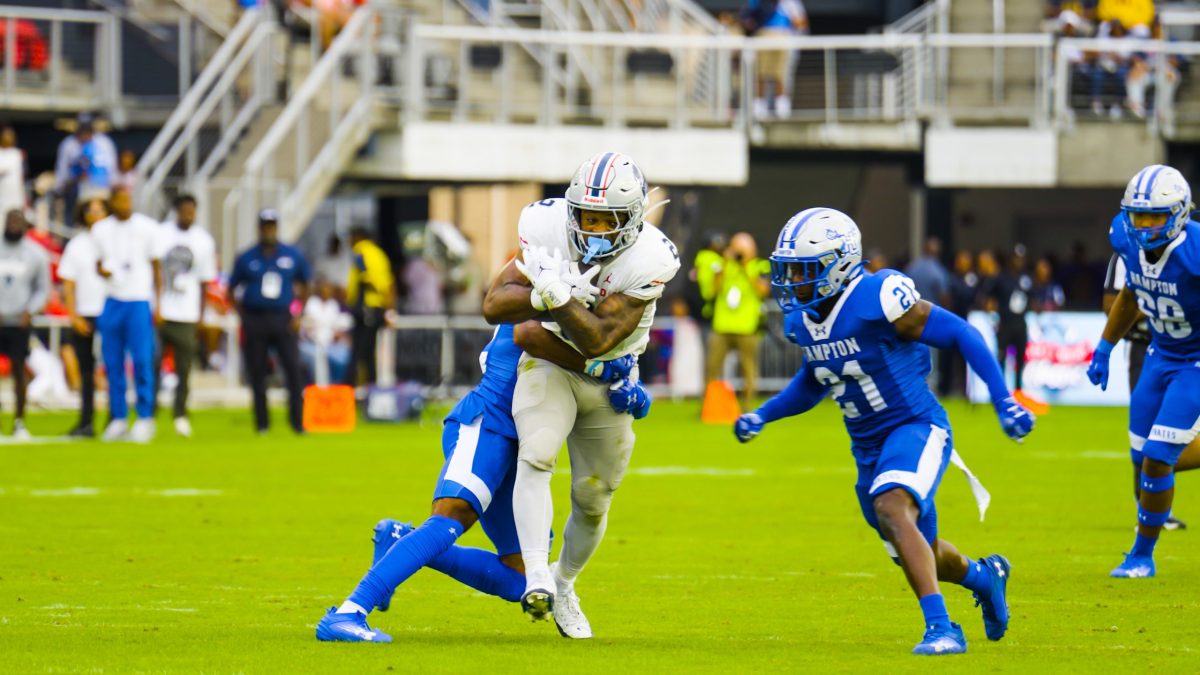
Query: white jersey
641	271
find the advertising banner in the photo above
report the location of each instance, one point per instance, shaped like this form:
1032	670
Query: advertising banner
1056	360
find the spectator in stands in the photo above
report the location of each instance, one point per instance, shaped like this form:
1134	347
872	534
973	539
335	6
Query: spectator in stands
25	275
12	171
86	163
334	266
705	265
876	260
424	283
774	19
83	291
1047	294
929	275
270	276
964	284
370	292
126	176
323	336
188	259
740	287
1008	295
126	243
1081	279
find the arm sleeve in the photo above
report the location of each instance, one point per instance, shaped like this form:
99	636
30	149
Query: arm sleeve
1114	280
801	394
946	331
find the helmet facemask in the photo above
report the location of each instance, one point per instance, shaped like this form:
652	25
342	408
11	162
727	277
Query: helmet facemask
598	245
802	283
1157	236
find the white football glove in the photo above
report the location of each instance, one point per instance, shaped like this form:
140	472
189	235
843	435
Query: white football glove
581	282
543	270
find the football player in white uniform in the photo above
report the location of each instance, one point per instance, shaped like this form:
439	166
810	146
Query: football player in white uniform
595	235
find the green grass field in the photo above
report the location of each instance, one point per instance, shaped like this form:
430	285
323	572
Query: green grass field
220	553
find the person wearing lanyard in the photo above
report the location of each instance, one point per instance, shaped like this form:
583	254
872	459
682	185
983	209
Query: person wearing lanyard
272	275
83	291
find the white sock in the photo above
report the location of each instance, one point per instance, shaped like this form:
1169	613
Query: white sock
581	537
534	513
350	608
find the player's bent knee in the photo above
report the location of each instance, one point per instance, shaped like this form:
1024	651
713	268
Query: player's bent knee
1158	461
456	509
591	496
514	561
539	449
894	507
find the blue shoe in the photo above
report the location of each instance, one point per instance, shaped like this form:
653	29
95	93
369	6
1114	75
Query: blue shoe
995	601
940	641
387	532
1134	567
336	627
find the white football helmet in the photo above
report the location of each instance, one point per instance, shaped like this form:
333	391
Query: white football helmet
1157	189
610	182
818	253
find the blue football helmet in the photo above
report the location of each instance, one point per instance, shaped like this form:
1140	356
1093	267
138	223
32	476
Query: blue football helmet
818	249
1157	189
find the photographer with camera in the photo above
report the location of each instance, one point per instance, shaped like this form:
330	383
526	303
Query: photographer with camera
741	284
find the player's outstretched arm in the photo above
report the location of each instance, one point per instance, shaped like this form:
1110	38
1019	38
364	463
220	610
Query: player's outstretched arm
936	327
800	396
508	298
596	334
535	340
1123	312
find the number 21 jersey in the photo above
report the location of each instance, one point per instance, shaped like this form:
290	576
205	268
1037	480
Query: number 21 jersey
877	377
1167	290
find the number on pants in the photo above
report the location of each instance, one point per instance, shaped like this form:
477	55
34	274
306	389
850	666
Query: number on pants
837	385
1166	315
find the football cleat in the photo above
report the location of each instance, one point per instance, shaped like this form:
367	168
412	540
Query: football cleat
117	430
1134	567
538	599
142	431
183	427
941	641
20	433
387	532
1174	523
568	615
351	627
995	602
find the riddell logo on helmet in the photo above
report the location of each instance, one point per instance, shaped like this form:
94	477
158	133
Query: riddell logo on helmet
588	199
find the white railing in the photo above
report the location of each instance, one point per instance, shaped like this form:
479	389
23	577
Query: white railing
212	115
80	69
326	120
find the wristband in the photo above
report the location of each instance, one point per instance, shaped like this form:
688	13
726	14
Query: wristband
535	299
556	294
593	367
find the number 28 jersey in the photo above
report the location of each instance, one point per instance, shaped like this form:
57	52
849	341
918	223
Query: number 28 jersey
877	377
1167	291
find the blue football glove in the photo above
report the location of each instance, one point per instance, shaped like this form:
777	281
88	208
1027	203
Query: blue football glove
1016	421
1097	372
611	371
629	396
748	426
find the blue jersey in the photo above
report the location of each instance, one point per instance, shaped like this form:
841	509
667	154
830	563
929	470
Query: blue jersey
877	377
1168	291
493	395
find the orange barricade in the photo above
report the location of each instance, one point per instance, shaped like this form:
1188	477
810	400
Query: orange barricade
720	404
329	409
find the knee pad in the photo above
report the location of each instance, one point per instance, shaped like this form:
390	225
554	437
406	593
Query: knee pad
540	449
591	496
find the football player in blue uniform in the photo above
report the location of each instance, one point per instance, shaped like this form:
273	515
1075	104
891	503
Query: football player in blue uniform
1160	247
479	441
866	339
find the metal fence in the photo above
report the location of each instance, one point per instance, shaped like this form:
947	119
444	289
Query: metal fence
58	59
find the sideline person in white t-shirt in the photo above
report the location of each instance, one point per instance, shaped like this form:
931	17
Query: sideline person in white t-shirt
83	293
323	331
188	260
126	242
